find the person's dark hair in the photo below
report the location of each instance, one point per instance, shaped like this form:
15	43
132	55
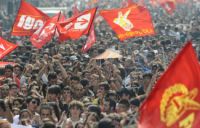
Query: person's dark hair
2	105
33	77
76	78
10	85
9	67
30	98
147	75
84	82
48	125
20	100
24	110
46	107
124	91
111	102
77	124
111	93
105	85
67	88
125	103
84	72
95	115
52	75
55	108
58	71
31	85
135	102
77	104
105	123
19	66
54	89
96	109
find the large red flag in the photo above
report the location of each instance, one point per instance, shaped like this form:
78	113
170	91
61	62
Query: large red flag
6	47
28	19
175	99
132	21
76	26
45	34
90	41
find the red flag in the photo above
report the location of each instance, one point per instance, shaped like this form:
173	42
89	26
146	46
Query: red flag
45	34
175	99
3	64
76	26
62	17
126	3
75	10
28	19
168	5
6	47
90	41
133	21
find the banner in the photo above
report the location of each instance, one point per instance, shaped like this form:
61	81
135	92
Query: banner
28	19
133	21
6	47
90	41
76	26
45	34
175	99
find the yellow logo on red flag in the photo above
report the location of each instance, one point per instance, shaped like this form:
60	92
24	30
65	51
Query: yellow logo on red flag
132	21
176	101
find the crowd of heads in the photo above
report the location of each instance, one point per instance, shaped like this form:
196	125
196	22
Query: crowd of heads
59	86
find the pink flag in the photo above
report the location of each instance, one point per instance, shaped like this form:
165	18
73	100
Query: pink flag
45	34
90	41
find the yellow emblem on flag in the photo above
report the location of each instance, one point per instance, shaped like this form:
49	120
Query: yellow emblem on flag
176	101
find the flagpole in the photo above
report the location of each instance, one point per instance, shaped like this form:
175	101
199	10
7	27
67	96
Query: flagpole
93	19
56	29
164	58
92	22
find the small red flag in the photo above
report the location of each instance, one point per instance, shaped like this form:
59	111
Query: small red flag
45	34
133	21
175	100
90	41
75	10
28	19
126	3
6	47
169	5
76	26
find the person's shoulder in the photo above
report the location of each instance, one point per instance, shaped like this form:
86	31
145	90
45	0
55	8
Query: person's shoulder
16	119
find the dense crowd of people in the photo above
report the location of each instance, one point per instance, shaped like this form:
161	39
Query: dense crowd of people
61	87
